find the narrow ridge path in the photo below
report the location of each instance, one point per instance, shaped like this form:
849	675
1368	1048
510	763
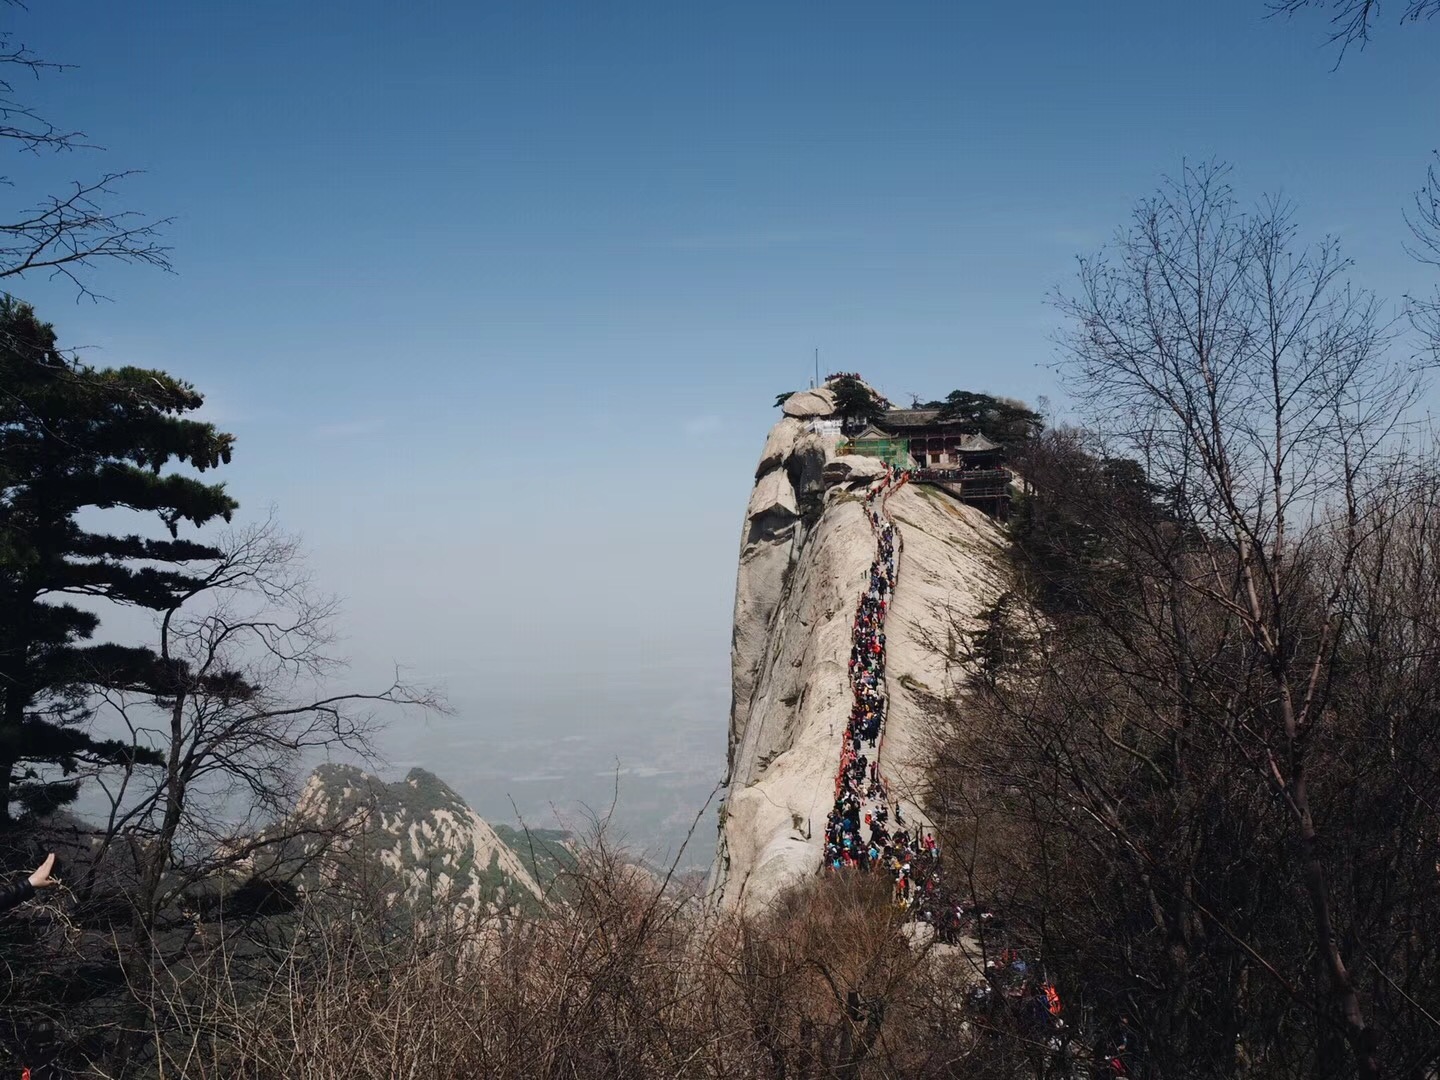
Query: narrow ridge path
866	829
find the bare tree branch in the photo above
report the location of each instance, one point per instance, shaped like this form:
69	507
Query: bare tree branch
69	233
1424	222
1351	21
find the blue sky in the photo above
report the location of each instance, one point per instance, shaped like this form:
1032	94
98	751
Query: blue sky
496	297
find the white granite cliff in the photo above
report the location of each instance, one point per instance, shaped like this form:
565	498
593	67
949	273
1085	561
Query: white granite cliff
805	554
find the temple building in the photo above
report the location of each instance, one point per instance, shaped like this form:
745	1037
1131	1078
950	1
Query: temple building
941	443
940	451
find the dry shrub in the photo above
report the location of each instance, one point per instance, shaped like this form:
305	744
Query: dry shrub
819	973
597	985
625	977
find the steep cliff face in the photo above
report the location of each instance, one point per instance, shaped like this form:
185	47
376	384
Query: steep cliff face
805	556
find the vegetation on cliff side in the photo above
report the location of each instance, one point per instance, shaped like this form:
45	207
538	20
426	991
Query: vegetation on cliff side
1202	768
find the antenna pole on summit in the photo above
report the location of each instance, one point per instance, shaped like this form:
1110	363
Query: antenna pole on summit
817	369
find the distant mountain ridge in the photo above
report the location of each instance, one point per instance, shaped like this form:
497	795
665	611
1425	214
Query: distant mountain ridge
422	837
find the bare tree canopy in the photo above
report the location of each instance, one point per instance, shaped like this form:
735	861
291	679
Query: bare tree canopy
1424	221
69	232
1352	20
248	698
1206	771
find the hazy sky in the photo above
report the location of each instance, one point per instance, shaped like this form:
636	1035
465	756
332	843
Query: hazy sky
496	296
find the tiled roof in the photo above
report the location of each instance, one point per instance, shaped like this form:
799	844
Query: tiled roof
910	418
977	443
871	432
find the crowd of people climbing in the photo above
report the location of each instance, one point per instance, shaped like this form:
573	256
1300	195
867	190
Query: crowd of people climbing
866	829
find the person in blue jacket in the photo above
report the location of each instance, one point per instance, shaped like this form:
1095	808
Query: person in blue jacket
40	879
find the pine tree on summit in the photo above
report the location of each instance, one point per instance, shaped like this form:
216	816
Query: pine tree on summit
75	440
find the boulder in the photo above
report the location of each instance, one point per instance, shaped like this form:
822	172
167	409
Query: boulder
849	467
779	445
807	403
772	508
806	465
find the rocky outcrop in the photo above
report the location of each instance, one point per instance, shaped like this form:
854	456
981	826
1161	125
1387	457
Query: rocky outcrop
780	444
773	509
810	403
418	836
799	582
851	467
785	501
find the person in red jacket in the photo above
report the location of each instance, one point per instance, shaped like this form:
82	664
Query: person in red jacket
40	879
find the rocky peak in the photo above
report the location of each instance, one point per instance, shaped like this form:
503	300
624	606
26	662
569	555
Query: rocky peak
806	550
422	835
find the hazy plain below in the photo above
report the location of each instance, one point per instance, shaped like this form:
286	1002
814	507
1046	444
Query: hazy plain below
650	743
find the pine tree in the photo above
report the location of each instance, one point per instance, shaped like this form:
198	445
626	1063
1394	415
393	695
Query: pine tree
75	440
855	401
1008	423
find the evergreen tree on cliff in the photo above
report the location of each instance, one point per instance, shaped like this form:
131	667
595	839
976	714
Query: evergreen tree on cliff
1008	423
75	440
855	402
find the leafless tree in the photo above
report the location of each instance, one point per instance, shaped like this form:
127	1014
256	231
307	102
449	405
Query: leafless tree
1424	221
1105	794
248	657
1351	21
1201	732
1200	680
68	232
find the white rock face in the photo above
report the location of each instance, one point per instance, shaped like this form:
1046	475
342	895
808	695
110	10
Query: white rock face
773	506
804	403
798	586
852	467
952	564
780	444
